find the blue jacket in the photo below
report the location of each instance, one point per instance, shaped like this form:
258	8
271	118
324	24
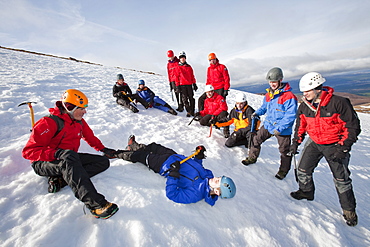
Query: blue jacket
192	186
281	108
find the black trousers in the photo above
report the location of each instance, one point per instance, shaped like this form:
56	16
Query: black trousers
177	94
284	146
187	95
222	117
238	138
153	156
76	170
310	157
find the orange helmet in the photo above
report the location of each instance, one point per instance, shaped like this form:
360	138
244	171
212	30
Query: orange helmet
75	97
170	53
211	56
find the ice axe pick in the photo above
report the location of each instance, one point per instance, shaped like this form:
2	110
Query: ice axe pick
32	115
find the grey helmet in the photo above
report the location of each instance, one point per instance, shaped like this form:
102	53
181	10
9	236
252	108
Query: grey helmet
275	74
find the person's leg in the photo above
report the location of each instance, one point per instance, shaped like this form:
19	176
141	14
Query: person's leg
201	100
94	164
204	121
75	176
261	136
285	160
237	138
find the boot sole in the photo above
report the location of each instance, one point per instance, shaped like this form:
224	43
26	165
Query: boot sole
107	217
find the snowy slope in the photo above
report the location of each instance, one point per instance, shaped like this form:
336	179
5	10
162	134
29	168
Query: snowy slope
261	214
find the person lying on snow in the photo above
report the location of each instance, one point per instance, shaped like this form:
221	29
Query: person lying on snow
187	180
154	101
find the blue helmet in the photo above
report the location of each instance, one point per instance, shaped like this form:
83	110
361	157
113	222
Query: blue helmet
228	188
141	82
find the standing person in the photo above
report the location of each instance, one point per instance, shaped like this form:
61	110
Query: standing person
241	117
185	84
215	110
124	95
153	100
218	77
53	150
280	106
187	181
333	127
173	62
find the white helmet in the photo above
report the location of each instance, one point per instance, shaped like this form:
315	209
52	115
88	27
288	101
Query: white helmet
182	54
208	88
310	81
241	97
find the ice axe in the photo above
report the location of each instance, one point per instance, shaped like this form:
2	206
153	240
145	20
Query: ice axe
184	160
32	115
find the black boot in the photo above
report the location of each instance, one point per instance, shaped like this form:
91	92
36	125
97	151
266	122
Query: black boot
124	154
133	109
55	184
226	132
132	145
350	217
299	195
180	108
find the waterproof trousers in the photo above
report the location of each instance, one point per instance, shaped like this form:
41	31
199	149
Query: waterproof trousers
76	170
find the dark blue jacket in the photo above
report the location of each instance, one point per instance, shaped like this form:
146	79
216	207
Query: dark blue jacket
192	186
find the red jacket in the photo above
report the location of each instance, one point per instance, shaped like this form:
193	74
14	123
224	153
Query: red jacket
333	121
171	69
42	144
218	76
184	75
214	105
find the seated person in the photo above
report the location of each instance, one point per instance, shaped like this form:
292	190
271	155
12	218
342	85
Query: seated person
153	100
187	180
123	93
241	117
215	110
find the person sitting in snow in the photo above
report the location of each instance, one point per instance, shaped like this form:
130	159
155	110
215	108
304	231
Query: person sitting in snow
215	110
125	97
53	150
187	180
241	117
153	100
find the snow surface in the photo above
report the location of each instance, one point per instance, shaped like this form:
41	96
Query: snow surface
261	214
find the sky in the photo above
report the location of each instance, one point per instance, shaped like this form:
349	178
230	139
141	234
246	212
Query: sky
249	37
261	214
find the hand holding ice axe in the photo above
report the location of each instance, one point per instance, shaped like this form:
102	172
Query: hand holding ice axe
31	111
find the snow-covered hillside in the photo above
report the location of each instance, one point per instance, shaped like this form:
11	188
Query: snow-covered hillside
261	214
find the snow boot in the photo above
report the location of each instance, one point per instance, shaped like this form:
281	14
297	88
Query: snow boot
188	114
132	145
226	132
299	195
281	174
172	111
106	211
133	109
124	154
180	108
249	160
350	217
55	184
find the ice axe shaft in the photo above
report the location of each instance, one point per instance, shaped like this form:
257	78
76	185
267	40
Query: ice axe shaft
32	115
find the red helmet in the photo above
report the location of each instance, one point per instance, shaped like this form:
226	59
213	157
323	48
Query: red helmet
170	53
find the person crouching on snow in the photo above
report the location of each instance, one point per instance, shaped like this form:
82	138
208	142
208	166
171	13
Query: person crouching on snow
241	117
53	150
214	110
154	101
187	181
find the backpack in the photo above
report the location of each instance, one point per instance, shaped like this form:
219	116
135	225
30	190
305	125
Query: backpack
58	121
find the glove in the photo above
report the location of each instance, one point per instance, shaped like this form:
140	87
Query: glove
201	154
195	87
174	169
340	153
276	133
254	115
108	152
293	149
213	120
225	93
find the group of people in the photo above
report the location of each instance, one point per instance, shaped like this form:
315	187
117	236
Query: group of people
328	119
